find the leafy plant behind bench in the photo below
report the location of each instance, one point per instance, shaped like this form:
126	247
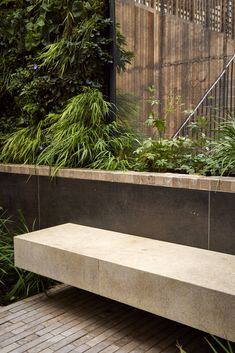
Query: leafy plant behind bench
15	283
222	155
81	136
170	155
160	154
23	145
49	50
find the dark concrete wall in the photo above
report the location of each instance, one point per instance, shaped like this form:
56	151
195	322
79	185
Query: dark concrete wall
191	217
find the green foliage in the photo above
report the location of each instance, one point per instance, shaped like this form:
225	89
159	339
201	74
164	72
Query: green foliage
218	344
49	50
158	154
222	155
81	136
23	145
81	48
200	124
170	155
180	348
158	123
15	283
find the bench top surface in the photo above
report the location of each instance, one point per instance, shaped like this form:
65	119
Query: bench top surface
196	266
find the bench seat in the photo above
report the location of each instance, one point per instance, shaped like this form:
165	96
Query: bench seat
192	286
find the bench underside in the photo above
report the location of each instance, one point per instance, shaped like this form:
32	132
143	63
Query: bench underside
192	286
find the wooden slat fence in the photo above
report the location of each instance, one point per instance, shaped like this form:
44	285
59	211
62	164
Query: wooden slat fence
179	46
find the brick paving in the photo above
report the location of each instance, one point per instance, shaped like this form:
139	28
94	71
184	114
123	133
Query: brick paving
73	320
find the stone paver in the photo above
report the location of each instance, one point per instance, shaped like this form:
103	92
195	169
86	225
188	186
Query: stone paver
73	320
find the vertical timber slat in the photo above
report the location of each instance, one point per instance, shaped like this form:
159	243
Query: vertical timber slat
178	46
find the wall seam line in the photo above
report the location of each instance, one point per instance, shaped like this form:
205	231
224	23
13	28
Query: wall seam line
38	200
209	221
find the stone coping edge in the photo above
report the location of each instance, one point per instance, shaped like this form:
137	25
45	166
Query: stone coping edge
196	182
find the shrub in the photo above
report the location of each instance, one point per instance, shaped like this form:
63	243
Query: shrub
23	145
82	137
170	155
222	156
49	50
15	283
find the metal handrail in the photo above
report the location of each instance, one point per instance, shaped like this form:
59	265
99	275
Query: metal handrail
213	87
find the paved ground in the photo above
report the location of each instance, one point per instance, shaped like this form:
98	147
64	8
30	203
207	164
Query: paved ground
72	320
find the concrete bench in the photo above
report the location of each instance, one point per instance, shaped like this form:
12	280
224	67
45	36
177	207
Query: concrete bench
192	286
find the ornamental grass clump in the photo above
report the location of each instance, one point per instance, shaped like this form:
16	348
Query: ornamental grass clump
81	135
222	156
22	145
50	50
15	283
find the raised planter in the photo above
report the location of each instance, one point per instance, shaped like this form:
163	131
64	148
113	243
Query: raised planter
191	210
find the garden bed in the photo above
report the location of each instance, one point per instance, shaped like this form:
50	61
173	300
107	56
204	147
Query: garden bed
185	209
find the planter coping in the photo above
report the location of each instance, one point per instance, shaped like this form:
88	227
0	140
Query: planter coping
198	182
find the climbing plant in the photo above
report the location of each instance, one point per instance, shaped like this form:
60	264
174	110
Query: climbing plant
49	50
50	53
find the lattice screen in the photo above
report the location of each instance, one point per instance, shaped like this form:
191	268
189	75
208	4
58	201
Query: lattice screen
218	15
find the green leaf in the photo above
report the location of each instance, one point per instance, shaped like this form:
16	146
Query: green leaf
41	21
180	348
160	124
